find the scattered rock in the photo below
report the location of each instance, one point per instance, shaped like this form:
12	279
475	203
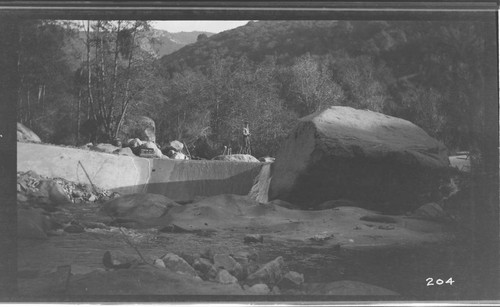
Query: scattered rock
461	162
77	194
178	156
206	269
176	145
227	262
253	238
189	257
208	253
291	280
151	145
236	158
178	265
110	263
224	277
244	258
24	134
134	145
251	268
258	289
345	153
159	263
271	273
224	261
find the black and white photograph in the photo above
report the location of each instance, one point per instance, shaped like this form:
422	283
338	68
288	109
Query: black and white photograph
256	155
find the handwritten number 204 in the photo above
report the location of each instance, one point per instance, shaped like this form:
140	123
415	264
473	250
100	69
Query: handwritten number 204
430	282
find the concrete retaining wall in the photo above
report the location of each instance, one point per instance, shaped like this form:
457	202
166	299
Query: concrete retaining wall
179	180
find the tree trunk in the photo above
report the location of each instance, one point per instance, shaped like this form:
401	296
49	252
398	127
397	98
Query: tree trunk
78	120
29	108
90	99
126	100
124	110
115	73
102	68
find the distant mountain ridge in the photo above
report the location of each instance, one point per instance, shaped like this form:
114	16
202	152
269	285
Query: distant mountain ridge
156	42
288	39
166	42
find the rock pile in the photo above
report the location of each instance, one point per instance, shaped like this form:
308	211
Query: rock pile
31	186
239	269
39	197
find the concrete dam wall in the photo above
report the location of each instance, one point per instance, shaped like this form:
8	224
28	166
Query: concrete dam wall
180	180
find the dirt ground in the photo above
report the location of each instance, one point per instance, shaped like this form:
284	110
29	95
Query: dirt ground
397	253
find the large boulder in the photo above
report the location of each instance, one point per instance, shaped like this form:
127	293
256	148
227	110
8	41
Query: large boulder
178	265
344	153
138	206
141	127
270	273
24	134
236	158
176	145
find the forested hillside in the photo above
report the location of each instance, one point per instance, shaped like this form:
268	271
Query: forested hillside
269	73
431	73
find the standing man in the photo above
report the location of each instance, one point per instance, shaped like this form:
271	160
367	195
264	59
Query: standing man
246	139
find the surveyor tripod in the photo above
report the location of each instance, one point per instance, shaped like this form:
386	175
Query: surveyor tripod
247	148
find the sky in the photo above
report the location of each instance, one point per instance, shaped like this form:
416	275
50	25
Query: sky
214	26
